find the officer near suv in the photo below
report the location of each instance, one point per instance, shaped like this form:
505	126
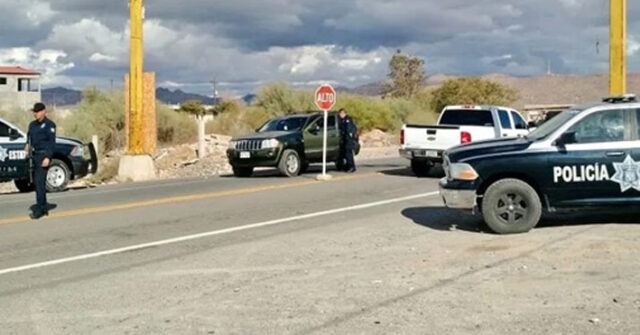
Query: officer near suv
348	140
41	143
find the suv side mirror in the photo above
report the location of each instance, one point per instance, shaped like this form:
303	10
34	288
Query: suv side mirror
566	138
14	134
315	129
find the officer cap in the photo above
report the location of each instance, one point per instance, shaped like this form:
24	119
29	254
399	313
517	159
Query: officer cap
39	106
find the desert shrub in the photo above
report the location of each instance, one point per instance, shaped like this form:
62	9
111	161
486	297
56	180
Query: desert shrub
99	114
175	127
478	91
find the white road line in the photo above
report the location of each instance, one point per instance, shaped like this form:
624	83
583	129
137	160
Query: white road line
211	233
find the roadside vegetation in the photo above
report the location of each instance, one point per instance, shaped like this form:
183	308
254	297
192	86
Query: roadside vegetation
405	100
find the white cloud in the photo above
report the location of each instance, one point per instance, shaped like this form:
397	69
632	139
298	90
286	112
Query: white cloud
633	46
98	57
39	12
50	63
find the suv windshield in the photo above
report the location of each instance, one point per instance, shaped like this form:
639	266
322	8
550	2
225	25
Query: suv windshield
286	124
550	126
466	117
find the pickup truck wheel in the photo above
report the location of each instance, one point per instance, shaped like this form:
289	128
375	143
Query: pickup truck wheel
58	176
242	172
290	163
421	168
511	206
24	186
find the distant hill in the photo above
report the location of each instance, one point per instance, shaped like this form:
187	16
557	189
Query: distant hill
178	96
546	89
61	96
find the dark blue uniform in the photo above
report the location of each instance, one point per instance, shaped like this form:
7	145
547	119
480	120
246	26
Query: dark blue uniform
348	141
42	137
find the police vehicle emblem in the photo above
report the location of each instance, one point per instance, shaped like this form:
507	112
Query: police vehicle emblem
3	154
627	174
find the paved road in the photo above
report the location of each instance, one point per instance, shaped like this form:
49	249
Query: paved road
368	253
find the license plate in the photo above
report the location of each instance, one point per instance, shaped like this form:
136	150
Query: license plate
245	154
431	153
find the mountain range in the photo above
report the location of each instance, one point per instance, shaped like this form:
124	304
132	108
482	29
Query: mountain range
546	89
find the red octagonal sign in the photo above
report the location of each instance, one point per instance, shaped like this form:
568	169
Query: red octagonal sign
325	97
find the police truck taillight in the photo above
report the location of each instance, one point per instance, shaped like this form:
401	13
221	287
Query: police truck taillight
402	137
465	137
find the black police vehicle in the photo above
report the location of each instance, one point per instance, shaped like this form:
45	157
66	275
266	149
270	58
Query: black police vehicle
588	156
71	160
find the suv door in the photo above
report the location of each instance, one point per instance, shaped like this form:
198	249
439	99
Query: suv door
13	159
596	167
313	139
506	126
519	123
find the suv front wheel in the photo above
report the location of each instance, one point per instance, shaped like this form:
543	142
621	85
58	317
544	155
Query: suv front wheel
290	163
511	206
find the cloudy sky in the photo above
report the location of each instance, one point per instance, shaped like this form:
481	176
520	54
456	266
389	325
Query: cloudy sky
245	43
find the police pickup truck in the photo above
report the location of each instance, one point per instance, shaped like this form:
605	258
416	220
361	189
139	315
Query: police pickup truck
71	160
588	156
424	145
289	143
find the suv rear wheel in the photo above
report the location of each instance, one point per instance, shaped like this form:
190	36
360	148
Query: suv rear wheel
290	163
511	206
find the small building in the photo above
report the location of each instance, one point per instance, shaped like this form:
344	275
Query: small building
19	87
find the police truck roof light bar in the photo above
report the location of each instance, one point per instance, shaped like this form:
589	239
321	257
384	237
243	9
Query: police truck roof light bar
621	98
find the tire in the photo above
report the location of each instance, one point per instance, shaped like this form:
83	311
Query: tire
290	163
242	172
58	176
339	165
24	186
421	168
511	206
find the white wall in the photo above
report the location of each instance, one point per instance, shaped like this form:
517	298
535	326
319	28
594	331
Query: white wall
10	98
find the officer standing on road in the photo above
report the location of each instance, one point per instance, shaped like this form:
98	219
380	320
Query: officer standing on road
348	140
41	141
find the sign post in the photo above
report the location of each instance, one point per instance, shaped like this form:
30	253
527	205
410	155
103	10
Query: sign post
325	98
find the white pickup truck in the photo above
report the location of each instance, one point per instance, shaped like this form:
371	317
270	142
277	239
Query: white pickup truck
457	125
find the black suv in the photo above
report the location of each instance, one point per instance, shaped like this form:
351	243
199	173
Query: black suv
289	143
71	160
588	156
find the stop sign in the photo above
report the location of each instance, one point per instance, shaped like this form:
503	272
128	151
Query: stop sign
325	97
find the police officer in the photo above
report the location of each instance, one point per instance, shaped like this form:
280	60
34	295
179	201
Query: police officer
348	140
41	141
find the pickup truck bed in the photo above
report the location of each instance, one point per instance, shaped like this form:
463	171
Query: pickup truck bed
423	145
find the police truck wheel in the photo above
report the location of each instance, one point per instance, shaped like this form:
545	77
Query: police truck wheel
421	168
58	176
290	163
242	172
24	186
511	206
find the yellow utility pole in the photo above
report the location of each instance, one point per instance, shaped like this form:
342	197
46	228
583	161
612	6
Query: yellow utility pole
135	75
618	50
